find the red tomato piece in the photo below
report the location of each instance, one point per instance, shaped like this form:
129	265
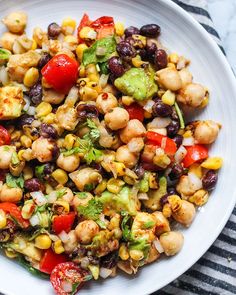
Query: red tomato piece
104	26
195	154
70	275
61	72
50	260
103	20
5	137
15	212
63	222
85	21
105	31
135	112
162	141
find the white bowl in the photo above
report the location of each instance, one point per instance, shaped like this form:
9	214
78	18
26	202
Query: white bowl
180	33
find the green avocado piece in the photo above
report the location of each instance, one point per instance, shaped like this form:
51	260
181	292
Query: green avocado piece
123	201
137	83
153	202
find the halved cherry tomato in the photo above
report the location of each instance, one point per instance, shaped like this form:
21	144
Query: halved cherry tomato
195	154
5	137
50	260
135	112
67	276
162	141
61	72
15	212
85	21
63	222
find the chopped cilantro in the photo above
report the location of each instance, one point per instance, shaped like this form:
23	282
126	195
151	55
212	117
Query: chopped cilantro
90	152
81	195
14	182
92	210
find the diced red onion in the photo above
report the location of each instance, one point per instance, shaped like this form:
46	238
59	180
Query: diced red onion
180	154
103	80
148	106
159	122
63	236
34	220
39	198
188	141
72	95
105	272
195	181
67	286
158	246
31	111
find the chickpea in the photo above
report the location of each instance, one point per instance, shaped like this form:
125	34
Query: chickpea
206	132
105	139
42	149
16	22
172	242
116	118
86	230
185	214
52	96
162	223
153	255
105	102
186	77
134	128
169	79
192	95
68	195
81	199
136	144
124	155
6	155
68	163
7	40
184	187
12	195
85	177
71	243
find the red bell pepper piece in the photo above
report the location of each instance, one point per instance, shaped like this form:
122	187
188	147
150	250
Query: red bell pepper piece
50	260
85	22
104	26
195	154
63	222
135	112
162	141
61	72
5	137
15	212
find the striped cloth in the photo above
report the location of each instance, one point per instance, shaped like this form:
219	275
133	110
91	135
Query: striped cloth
215	272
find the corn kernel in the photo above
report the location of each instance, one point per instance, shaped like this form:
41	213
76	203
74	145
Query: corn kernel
68	25
119	168
137	62
43	242
16	135
94	269
175	202
64	204
69	141
86	94
196	169
31	77
114	185
60	176
27	172
3	219
167	210
88	33
28	209
173	58
72	40
82	72
161	159
168	97
199	198
25	141
80	50
100	187
129	180
204	102
10	253
20	155
187	134
43	109
123	252
58	248
127	100
152	181
213	163
119	29
49	119
136	254
49	188
171	65
34	45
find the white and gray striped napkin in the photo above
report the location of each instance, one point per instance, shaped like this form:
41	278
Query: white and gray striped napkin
215	272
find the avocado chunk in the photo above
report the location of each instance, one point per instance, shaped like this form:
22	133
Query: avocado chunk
123	201
137	83
153	202
11	102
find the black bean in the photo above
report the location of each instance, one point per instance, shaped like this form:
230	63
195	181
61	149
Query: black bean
48	169
174	115
131	31
164	199
33	185
55	151
160	59
25	120
109	260
161	109
44	60
209	180
54	30
176	171
143	54
86	111
178	139
125	50
36	93
171	191
139	171
115	66
151	49
48	131
150	30
173	128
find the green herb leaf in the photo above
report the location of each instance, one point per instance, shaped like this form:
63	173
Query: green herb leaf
92	210
94	133
104	68
39	172
180	115
140	244
14	182
101	223
81	195
72	151
90	153
126	228
4	54
60	193
149	224
31	269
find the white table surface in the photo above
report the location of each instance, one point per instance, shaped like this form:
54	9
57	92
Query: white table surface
223	13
